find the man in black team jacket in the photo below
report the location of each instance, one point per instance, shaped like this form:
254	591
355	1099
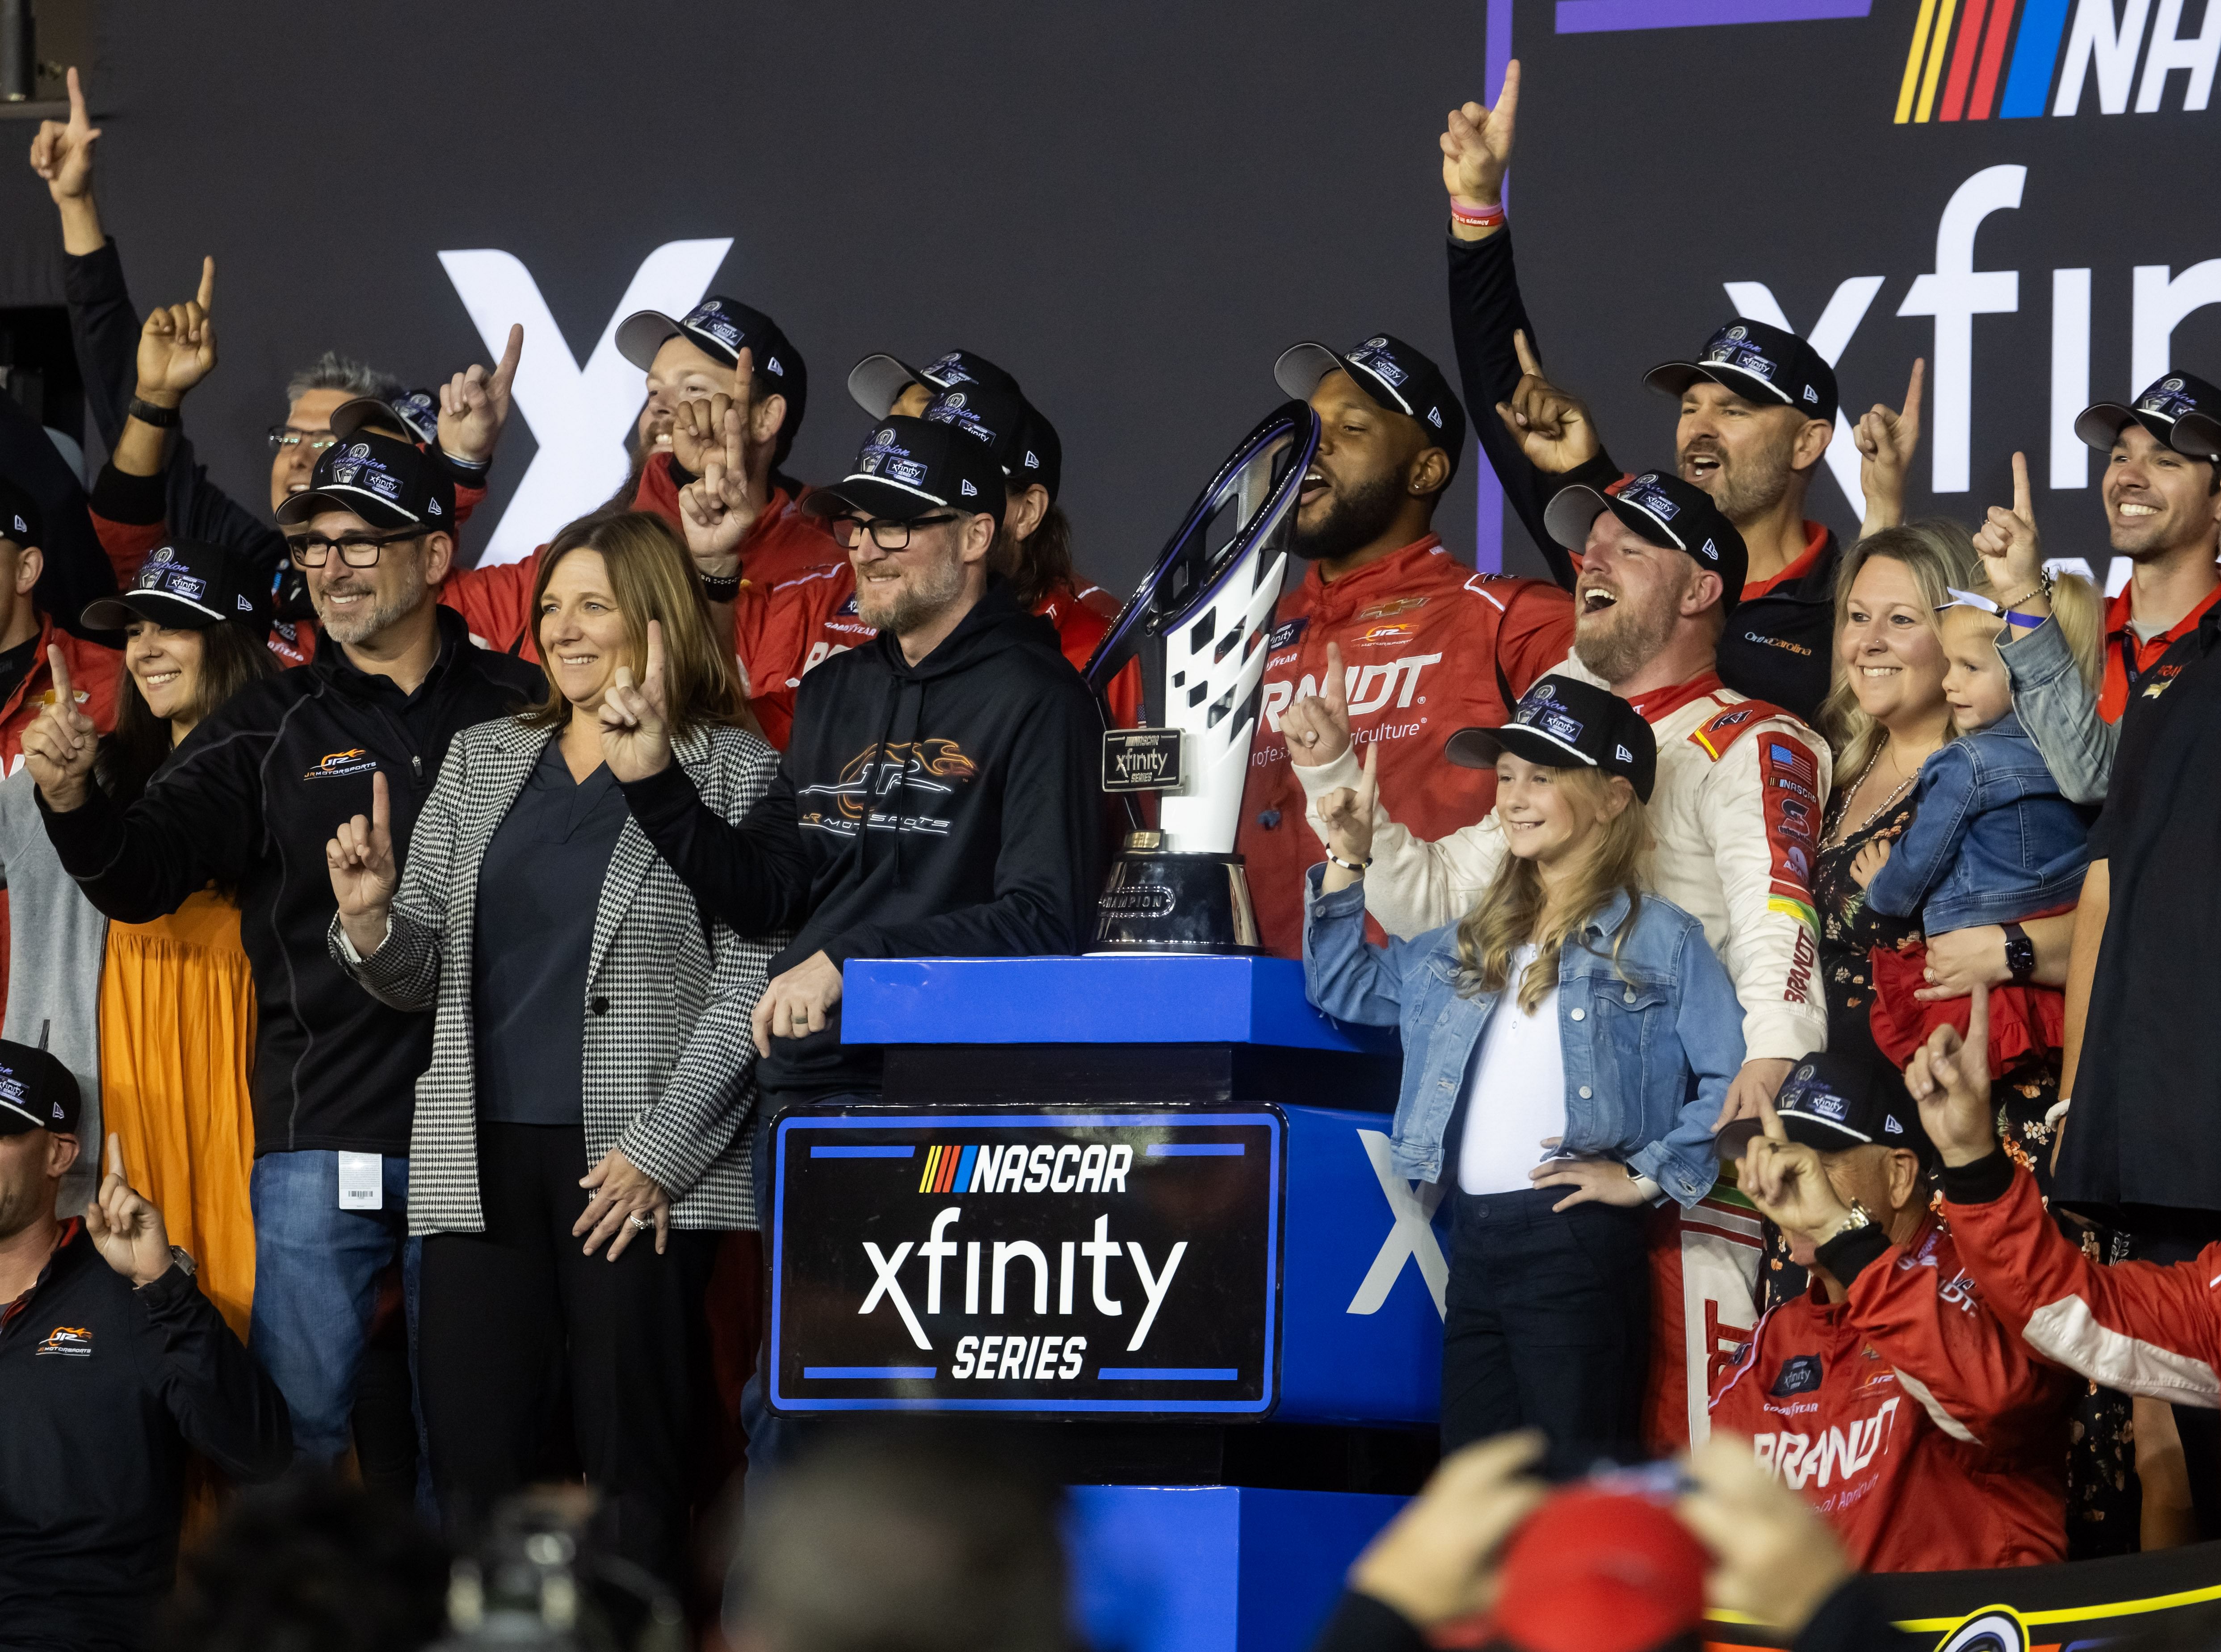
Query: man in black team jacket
1758	408
938	798
249	801
113	1365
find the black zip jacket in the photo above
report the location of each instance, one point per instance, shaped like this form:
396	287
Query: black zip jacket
249	801
1776	647
949	809
105	1388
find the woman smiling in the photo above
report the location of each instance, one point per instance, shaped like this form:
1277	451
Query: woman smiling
579	1137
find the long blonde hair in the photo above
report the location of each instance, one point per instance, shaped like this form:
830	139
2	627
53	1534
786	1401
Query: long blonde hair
652	578
1939	554
1509	916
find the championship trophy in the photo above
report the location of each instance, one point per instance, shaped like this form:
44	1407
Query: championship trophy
1199	625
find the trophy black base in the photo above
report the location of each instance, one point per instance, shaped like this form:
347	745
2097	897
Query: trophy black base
1156	901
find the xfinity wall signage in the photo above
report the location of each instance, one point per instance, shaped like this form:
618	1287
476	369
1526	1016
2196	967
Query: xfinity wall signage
1047	1262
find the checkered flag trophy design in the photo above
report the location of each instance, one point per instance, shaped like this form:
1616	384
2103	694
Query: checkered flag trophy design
1198	625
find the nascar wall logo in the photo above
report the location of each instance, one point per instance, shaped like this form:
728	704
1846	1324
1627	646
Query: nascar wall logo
1044	1262
1971	60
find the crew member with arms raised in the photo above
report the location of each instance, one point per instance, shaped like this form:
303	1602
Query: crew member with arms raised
1410	643
1890	1393
1757	410
1740	783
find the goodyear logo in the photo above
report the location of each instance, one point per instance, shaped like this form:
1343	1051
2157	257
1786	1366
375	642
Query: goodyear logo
1016	1167
1974	60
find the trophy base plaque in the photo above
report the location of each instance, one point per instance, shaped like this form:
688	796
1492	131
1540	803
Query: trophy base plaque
1159	901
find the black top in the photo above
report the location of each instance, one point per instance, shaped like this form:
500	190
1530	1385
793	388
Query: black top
104	1388
539	889
2141	1141
248	801
1777	648
947	809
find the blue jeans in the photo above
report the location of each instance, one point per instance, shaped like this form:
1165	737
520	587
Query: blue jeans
316	1287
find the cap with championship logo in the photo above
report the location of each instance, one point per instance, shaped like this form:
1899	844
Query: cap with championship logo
1392	374
1835	1100
1664	509
1763	363
1023	442
37	1093
909	468
388	482
414	414
722	328
1563	717
186	584
21	522
877	382
2181	409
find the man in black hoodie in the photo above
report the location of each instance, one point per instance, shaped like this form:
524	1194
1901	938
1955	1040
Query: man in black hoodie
938	798
248	801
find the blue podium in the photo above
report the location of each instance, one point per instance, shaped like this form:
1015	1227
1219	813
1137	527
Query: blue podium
1139	1210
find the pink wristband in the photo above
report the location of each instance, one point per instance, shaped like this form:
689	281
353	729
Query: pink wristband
1477	217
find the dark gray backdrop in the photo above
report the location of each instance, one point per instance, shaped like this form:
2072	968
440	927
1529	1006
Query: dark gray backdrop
1134	208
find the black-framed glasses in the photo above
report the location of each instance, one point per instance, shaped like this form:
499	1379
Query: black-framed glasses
283	438
888	533
356	550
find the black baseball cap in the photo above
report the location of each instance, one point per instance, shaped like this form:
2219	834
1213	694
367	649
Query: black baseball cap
909	468
1399	377
188	585
21	520
1024	443
2181	409
877	382
1761	362
1835	1100
1563	717
722	328
388	482
37	1093
414	413
1664	509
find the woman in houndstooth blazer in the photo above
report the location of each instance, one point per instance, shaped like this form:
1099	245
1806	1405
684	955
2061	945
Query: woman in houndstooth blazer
592	1072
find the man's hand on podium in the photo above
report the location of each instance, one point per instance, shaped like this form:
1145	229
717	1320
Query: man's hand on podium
797	1003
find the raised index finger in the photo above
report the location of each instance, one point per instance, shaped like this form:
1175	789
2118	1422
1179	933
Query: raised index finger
64	697
78	118
1528	364
1978	1023
511	352
207	298
654	675
1334	690
1507	97
2023	499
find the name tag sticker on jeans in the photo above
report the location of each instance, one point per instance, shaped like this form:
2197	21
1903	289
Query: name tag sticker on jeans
362	1181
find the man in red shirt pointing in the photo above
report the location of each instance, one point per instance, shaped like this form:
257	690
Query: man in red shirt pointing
1893	1394
1413	643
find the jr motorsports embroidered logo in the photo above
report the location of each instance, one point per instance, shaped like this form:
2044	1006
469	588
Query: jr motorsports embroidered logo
356	760
70	1341
898	787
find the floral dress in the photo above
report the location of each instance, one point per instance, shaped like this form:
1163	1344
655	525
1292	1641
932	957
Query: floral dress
2104	1498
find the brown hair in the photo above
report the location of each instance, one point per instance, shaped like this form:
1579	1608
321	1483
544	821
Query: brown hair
1939	554
652	578
1505	918
1038	564
232	656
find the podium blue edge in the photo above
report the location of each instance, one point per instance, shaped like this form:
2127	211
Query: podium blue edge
1209	1568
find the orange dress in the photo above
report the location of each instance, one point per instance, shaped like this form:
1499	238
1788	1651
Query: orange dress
177	1051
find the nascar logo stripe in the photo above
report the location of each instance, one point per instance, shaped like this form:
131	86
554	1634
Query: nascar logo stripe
1953	79
947	1168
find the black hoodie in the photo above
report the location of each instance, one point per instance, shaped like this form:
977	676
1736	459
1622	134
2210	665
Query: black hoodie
249	800
949	809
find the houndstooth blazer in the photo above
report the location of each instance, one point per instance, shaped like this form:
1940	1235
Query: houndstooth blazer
670	1065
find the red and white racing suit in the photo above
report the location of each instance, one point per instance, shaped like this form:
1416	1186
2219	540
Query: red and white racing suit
1734	817
1429	647
1909	1413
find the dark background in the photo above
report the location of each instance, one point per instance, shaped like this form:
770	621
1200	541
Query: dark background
1134	208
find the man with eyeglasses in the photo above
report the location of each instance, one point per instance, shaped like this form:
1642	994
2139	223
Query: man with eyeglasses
938	798
249	802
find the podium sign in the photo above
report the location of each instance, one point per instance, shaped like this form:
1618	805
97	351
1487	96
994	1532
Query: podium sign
1050	1263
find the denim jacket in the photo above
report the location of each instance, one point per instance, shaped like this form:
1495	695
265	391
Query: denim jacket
1992	841
1647	1059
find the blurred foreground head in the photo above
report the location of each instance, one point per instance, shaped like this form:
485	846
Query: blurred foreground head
877	1543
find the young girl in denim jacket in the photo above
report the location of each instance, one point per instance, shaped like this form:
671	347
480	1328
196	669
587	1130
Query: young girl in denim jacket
1568	1047
1992	841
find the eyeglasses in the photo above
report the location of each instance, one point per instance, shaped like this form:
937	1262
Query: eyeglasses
886	532
356	550
283	438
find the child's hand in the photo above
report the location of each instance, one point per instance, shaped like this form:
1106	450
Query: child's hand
1348	812
1869	861
1605	1180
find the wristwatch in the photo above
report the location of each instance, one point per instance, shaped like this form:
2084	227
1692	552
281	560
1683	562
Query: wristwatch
181	1259
2020	954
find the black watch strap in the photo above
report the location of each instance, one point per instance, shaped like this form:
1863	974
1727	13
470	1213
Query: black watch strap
721	588
162	418
2020	954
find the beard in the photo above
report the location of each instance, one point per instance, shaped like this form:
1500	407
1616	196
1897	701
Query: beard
1617	642
1353	521
914	602
1750	490
359	624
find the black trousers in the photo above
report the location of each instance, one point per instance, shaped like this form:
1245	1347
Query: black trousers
1548	1325
515	1319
